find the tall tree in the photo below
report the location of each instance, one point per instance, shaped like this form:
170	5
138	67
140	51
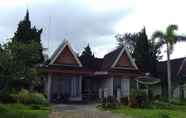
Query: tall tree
142	53
17	64
169	38
27	34
87	57
7	67
23	52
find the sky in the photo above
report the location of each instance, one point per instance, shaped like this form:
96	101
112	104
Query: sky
93	22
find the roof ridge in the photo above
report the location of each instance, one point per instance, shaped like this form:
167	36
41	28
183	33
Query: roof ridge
113	51
181	66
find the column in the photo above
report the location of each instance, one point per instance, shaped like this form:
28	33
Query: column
100	94
80	87
118	95
111	86
49	87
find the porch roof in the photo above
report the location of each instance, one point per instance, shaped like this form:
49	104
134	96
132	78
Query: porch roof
126	71
67	69
76	70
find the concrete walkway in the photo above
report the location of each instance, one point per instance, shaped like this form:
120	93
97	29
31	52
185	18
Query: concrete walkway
81	111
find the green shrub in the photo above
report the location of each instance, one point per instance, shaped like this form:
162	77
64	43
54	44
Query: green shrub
109	102
164	99
138	98
124	100
2	109
5	96
136	92
25	97
35	107
132	103
163	115
156	97
176	101
38	98
162	105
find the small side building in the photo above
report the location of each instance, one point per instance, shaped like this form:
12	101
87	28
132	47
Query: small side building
178	76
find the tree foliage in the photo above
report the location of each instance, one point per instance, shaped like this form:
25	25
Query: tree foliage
128	39
26	34
19	57
87	57
17	63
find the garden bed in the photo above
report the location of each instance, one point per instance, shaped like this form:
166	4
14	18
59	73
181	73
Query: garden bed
23	111
164	110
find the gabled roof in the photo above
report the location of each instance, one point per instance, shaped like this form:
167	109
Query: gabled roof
111	59
182	69
178	66
103	66
60	49
98	63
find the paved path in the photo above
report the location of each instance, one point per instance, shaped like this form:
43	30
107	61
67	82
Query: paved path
81	111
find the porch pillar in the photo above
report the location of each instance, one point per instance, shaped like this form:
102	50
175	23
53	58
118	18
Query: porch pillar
80	87
49	87
118	95
137	84
100	94
129	91
111	86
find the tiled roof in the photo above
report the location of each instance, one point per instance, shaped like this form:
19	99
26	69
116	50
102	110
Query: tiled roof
100	64
109	58
175	68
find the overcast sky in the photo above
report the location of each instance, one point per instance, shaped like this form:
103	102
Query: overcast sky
93	21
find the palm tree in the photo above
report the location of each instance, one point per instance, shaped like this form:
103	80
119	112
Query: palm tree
169	38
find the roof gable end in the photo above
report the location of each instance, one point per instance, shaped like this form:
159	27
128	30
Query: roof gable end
124	60
64	54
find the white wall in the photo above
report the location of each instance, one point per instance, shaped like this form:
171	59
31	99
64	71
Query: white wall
108	83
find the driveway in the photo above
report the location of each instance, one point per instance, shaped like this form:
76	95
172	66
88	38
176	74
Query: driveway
81	111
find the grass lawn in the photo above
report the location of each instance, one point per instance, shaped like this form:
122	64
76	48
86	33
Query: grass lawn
157	111
22	111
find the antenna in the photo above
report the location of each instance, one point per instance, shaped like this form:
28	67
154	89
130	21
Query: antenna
49	34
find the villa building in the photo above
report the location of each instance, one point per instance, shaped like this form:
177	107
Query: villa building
67	79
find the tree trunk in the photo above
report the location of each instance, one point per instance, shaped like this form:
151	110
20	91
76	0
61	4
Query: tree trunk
169	72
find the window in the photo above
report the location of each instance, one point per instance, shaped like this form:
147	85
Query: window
75	85
116	85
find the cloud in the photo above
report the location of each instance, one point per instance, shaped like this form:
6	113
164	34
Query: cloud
108	5
92	21
155	15
74	21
